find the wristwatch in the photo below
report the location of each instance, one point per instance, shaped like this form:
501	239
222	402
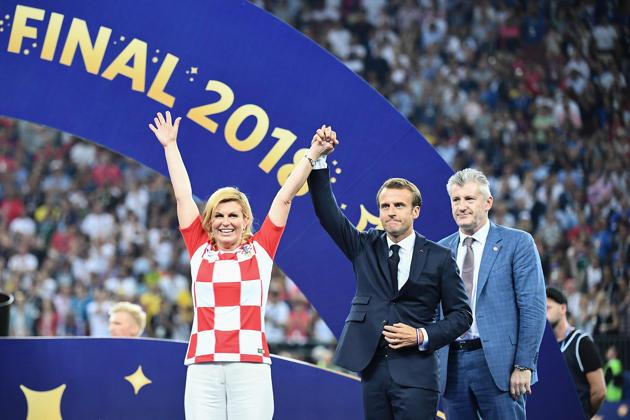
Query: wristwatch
521	368
311	161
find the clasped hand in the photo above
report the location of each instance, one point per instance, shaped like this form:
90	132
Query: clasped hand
324	140
401	335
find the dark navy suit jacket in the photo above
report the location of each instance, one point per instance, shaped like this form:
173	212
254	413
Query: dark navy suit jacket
433	279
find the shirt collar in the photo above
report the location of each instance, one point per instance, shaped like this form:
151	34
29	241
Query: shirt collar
406	244
480	236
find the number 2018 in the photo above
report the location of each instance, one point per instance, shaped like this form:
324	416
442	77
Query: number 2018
286	138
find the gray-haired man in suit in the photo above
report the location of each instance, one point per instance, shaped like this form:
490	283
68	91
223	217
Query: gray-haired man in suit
489	370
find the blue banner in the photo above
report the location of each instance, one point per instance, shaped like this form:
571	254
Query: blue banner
112	378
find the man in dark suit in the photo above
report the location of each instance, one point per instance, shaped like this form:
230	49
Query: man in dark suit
487	372
392	331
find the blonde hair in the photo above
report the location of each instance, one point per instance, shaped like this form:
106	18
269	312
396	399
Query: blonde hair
223	195
136	312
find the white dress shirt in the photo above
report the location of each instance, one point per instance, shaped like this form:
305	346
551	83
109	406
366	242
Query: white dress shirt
406	254
404	267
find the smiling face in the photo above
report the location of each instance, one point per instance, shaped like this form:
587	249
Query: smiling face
397	213
470	207
228	224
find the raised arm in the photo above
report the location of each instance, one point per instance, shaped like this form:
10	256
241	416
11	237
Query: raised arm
166	132
324	141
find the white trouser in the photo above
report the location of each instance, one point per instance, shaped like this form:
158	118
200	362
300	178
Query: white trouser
228	391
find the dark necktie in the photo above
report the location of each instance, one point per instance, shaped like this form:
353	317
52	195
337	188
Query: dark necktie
468	267
393	261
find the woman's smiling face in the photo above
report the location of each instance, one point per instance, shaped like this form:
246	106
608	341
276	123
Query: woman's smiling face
228	224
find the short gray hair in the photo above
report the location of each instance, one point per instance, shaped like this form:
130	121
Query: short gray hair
469	175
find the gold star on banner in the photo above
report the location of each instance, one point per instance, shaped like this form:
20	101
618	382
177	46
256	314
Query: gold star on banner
368	218
43	404
138	380
193	70
343	206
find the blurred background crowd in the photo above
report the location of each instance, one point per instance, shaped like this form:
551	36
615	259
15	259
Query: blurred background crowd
533	93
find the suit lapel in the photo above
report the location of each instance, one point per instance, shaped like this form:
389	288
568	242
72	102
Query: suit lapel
454	243
417	261
490	252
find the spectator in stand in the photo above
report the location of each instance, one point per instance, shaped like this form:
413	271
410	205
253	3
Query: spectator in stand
276	317
23	317
98	314
613	372
299	322
48	320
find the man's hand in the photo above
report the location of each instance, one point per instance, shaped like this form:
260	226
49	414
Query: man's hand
325	140
520	383
401	335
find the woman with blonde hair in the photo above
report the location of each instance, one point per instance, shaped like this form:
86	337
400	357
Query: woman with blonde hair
228	359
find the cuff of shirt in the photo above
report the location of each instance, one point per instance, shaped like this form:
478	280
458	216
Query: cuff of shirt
425	344
320	163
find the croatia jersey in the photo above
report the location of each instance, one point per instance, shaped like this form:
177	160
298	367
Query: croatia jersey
229	291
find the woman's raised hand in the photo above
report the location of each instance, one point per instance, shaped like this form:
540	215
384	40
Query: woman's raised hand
164	129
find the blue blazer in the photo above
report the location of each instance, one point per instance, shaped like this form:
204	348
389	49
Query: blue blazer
511	307
433	278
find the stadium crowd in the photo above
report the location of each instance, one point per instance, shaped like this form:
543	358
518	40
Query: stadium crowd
534	94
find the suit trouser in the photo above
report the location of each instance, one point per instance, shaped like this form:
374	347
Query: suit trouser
228	390
471	392
384	399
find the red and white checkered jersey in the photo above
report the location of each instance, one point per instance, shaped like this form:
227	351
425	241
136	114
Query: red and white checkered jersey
229	292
